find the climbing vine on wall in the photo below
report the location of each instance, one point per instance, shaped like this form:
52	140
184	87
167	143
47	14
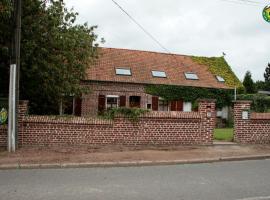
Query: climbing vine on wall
219	66
190	94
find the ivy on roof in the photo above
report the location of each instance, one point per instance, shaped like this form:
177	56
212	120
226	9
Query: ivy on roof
219	67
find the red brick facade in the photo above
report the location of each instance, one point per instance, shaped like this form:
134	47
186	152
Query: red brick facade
253	130
154	128
90	101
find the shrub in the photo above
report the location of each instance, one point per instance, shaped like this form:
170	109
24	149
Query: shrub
260	102
132	114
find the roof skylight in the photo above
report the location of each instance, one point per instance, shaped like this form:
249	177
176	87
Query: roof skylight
123	71
160	74
220	79
191	76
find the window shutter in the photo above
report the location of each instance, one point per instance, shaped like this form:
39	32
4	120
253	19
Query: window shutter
155	103
122	101
78	106
179	105
173	105
101	103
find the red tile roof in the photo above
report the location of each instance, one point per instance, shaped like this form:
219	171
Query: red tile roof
142	63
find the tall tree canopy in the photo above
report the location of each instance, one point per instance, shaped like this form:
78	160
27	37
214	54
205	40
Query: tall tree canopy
5	43
248	83
267	73
55	52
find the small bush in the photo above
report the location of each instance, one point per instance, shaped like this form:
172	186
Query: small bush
260	102
131	113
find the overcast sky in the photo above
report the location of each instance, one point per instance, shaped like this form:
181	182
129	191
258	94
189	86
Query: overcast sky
190	27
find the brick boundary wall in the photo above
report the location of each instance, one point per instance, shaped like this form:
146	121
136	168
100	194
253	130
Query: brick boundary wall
154	128
255	129
3	136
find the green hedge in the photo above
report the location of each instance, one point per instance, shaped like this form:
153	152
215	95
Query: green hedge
132	114
260	102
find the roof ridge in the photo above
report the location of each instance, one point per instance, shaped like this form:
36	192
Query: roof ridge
156	52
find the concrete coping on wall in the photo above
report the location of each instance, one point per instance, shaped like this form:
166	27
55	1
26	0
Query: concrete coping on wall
66	120
260	116
171	115
23	102
242	101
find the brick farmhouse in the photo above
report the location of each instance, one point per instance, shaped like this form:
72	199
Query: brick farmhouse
119	76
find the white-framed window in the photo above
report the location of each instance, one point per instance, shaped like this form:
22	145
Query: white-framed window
187	107
191	76
163	105
112	101
123	71
159	74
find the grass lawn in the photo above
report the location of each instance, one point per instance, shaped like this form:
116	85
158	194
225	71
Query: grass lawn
223	134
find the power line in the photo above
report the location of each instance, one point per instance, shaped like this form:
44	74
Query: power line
250	1
146	32
141	27
244	2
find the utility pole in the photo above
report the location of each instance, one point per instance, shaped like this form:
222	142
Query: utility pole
14	78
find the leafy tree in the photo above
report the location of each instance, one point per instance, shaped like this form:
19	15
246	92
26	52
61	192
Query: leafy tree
55	52
267	73
260	85
248	83
5	43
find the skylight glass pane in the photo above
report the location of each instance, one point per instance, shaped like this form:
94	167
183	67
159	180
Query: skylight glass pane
123	71
191	76
220	79
159	74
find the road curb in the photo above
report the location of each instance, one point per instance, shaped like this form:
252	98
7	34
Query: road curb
129	163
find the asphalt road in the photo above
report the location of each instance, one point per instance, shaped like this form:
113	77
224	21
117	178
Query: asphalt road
245	180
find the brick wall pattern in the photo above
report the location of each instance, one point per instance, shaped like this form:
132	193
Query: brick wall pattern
154	128
253	130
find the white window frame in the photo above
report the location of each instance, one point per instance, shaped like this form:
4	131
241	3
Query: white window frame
187	107
123	71
220	79
193	76
168	103
112	96
159	74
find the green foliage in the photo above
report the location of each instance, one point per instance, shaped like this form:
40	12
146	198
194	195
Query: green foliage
248	83
190	94
3	103
261	85
5	43
219	66
267	73
260	102
55	52
225	134
132	114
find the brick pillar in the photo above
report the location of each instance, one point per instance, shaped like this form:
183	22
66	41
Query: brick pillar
207	110
241	126
22	109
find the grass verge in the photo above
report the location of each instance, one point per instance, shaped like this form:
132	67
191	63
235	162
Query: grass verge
225	134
